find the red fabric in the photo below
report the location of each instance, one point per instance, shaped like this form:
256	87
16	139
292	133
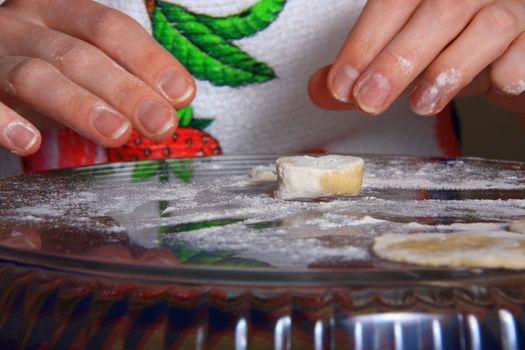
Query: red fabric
62	148
185	143
445	134
75	149
316	151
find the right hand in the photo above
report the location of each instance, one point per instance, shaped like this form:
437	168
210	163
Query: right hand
88	67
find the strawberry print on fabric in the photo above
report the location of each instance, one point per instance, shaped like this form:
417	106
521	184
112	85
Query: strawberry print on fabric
189	140
204	44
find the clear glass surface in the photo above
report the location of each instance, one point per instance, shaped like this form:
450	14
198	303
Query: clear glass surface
196	253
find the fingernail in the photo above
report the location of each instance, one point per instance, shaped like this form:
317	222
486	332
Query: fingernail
155	118
515	89
372	92
342	82
175	86
109	123
426	97
21	136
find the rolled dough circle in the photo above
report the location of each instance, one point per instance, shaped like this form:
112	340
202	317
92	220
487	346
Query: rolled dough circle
461	249
314	177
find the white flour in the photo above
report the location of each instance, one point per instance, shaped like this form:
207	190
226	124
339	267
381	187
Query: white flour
395	199
515	89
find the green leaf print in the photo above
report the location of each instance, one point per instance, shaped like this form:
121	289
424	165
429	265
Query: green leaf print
200	124
186	119
185	115
246	23
87	174
144	170
242	262
204	53
185	252
181	168
163	171
199	225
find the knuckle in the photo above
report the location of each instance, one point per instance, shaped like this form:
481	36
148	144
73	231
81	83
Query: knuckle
500	19
27	71
147	56
400	58
108	21
81	101
443	11
75	55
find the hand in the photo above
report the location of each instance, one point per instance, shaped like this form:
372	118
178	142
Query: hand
433	49
88	67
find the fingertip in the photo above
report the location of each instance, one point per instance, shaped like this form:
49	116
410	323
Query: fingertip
372	92
167	133
319	93
33	147
187	97
340	81
156	120
22	138
118	141
177	86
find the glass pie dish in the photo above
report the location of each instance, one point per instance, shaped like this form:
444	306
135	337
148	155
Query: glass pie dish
196	253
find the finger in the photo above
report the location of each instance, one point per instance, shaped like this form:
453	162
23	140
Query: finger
320	95
507	75
508	72
485	39
370	34
124	40
433	26
93	70
17	134
43	87
39	120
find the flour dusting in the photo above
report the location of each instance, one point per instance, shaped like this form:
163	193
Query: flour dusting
448	78
515	89
227	209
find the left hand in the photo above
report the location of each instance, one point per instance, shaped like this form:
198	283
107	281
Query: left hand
433	49
87	67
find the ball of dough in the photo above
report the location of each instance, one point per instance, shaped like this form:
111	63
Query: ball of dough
304	177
